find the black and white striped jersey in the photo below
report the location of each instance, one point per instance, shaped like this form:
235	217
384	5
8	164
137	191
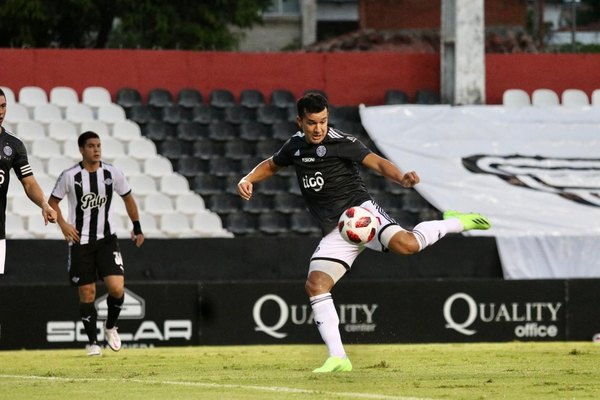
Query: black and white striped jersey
90	196
327	173
12	155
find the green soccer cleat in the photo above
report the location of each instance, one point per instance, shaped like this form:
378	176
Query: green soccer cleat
469	221
335	364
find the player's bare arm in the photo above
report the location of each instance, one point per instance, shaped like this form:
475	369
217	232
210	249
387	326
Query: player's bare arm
36	195
132	211
265	169
68	230
390	170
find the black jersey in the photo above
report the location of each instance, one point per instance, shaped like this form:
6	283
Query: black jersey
12	155
327	173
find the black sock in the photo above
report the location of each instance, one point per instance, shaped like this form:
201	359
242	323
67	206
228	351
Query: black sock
114	309
89	315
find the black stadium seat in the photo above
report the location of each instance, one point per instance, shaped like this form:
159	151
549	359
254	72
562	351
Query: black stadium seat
282	98
253	131
395	96
269	114
251	98
207	184
240	223
273	223
207	149
128	97
304	224
221	98
426	97
160	98
191	131
203	114
189	98
221	131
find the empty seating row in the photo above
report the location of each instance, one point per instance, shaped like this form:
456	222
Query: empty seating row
546	97
61	96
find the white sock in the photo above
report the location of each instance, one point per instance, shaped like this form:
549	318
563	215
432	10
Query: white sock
327	321
429	232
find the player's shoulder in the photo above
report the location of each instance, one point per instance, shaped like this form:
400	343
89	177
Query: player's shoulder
336	135
13	139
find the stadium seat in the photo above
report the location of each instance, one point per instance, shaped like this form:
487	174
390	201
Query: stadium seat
283	130
96	96
260	203
142	185
9	94
515	98
395	96
208	184
253	131
282	98
56	165
111	113
221	131
16	113
159	98
141	113
126	131
374	182
251	98
70	149
176	225
36	225
174	184
273	223
273	185
236	114
203	114
574	98
240	223
544	98
26	208
191	166
47	182
267	148
174	148
128	165
223	166
426	97
304	224
189	203
100	127
596	97
157	131
221	98
62	96
288	203
15	227
158	166
269	114
207	149
158	203
189	98
45	148
238	149
78	113
29	130
224	203
141	148
128	97
175	114
209	224
112	148
292	184
32	96
191	131
150	226
46	113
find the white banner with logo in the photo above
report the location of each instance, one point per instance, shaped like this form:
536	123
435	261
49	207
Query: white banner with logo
535	172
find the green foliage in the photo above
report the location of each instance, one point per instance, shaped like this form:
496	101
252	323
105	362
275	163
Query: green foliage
176	24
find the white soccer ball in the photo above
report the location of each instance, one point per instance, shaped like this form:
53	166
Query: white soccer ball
357	225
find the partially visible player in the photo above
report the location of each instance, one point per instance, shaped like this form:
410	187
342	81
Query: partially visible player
326	162
90	187
14	155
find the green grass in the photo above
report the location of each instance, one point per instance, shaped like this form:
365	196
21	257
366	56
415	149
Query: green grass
552	370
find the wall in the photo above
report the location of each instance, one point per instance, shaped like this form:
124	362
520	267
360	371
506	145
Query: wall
348	78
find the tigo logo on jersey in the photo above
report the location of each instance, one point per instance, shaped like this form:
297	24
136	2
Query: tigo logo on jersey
315	182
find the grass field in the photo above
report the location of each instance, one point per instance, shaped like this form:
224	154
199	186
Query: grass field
553	370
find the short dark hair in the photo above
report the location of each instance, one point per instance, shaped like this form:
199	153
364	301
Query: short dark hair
311	103
85	136
2	92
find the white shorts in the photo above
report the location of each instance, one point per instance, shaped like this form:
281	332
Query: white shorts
2	254
333	249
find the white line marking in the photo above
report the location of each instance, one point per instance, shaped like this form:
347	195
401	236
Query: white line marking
280	389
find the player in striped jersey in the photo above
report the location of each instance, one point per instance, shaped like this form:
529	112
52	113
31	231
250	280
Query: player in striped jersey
14	155
326	162
90	187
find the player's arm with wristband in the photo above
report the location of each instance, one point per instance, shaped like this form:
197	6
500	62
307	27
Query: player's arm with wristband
132	211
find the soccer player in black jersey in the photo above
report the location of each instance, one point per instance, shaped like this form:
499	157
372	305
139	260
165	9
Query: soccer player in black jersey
326	162
14	155
90	187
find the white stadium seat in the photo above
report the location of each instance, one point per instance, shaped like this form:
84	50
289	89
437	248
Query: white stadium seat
78	113
96	96
158	166
35	225
574	98
515	98
70	149
142	185
150	226
26	208
15	227
63	96
45	148
111	113
37	166
30	130
57	164
126	131
176	225
112	148
141	148
9	95
118	208
544	98
31	96
209	224
596	97
46	113
96	126
189	203
62	130
129	166
158	203
174	184
16	113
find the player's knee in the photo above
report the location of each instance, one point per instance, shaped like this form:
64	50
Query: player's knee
318	283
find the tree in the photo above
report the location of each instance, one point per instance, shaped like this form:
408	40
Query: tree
181	24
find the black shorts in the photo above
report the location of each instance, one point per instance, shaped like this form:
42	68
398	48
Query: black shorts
94	261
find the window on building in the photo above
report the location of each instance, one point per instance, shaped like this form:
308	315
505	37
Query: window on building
284	7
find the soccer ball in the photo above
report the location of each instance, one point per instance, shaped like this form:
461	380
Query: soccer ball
357	225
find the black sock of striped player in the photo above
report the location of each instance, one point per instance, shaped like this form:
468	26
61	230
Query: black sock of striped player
114	309
89	315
